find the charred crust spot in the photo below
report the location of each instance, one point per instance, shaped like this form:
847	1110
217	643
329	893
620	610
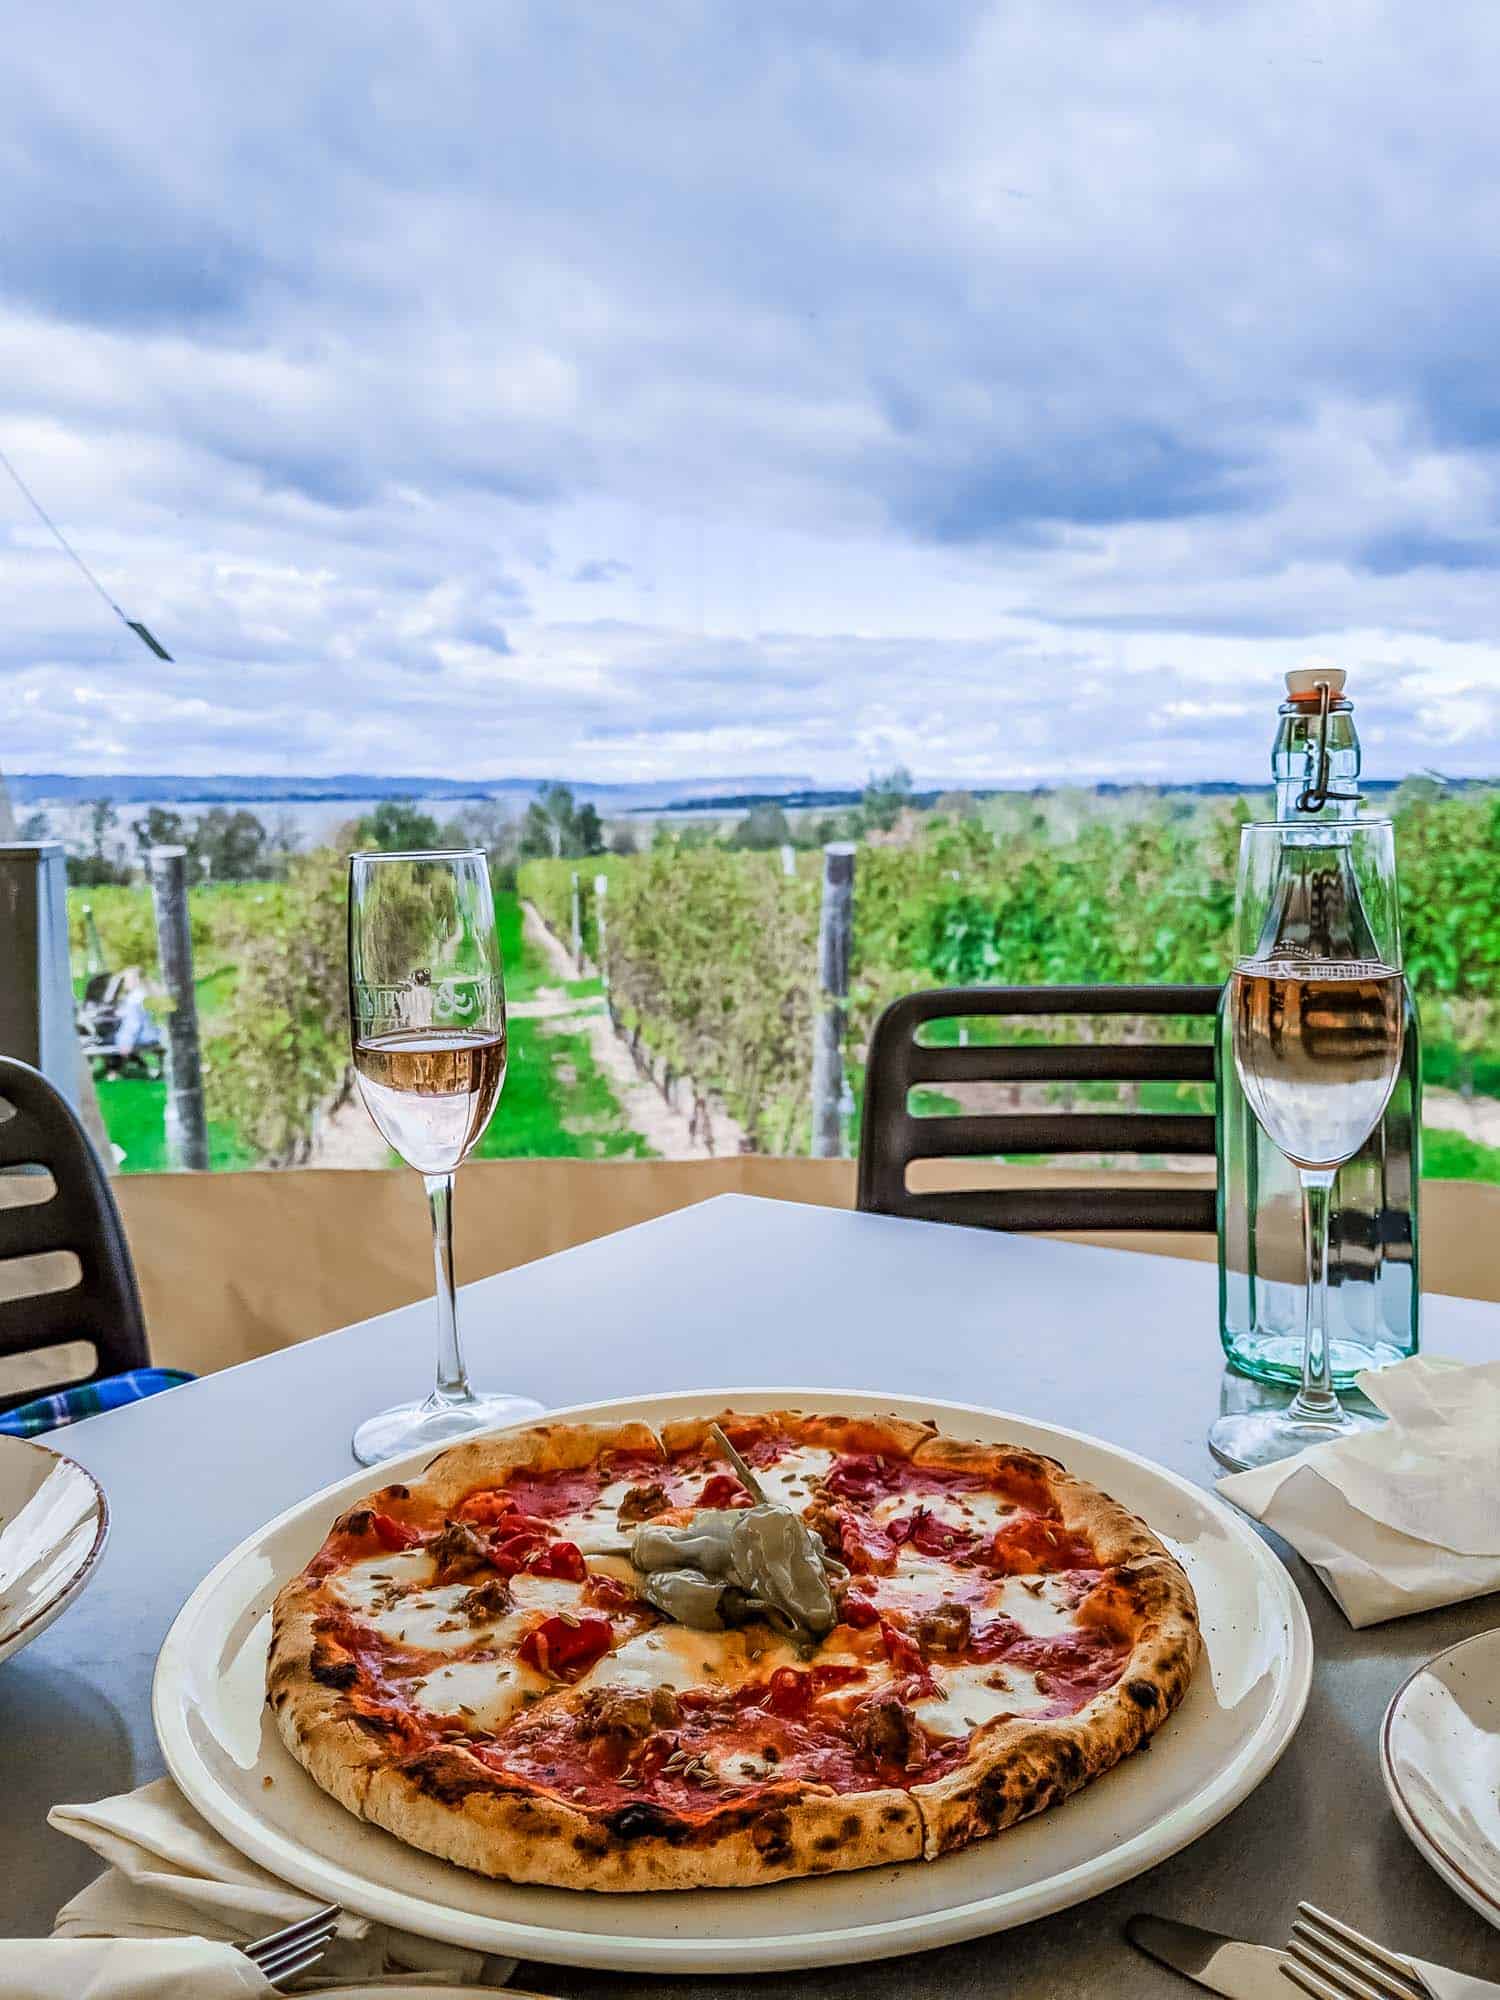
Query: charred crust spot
771	1837
1143	1694
641	1820
849	1826
356	1522
448	1775
375	1725
826	1843
398	1492
332	1669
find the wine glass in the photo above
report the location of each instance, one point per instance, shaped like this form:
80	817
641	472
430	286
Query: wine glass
427	1024
1316	999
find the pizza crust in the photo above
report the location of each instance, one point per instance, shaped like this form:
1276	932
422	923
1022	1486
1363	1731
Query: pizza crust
447	1802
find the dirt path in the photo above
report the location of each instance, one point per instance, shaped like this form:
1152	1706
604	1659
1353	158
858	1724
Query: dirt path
665	1129
347	1138
1476	1117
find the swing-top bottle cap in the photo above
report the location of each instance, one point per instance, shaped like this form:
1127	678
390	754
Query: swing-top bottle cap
1302	683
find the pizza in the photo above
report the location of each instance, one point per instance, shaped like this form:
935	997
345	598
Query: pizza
725	1652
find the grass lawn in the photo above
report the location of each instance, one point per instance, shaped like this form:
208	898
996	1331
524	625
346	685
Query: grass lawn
556	1104
135	1117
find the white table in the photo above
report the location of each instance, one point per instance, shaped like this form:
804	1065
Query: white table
741	1292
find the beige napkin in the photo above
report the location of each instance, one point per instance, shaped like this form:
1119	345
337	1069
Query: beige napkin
95	1969
169	1875
1403	1517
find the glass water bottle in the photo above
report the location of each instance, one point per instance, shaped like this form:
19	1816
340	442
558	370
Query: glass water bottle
1374	1294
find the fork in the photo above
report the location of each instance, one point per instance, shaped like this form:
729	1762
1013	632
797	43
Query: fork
1333	1961
287	1953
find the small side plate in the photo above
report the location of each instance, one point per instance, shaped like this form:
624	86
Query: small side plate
54	1521
1440	1758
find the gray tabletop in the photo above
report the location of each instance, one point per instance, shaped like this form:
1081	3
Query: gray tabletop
749	1293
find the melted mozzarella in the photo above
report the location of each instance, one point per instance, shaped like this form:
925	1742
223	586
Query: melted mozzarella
1049	1609
788	1483
597	1526
918	1584
978	1513
363	1584
975	1695
430	1618
674	1656
481	1691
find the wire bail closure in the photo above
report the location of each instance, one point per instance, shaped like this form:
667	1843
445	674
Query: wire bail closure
1316	796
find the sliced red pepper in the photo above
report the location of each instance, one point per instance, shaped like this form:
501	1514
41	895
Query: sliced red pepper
609	1594
393	1534
858	1611
906	1659
513	1553
566	1648
562	1559
724	1490
868	1550
788	1692
933	1537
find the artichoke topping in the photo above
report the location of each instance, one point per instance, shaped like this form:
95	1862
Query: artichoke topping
731	1567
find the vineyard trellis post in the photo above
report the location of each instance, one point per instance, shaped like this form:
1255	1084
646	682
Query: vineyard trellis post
187	1127
577	918
788	860
835	931
601	896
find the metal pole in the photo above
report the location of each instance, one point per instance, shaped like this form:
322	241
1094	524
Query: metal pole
577	923
835	928
187	1130
788	859
601	896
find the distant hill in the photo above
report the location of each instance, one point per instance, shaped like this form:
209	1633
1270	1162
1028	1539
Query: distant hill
34	788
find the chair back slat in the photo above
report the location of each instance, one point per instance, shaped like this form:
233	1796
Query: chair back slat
893	1137
80	1216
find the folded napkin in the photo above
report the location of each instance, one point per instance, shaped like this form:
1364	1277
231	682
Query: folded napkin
170	1876
1403	1517
95	1969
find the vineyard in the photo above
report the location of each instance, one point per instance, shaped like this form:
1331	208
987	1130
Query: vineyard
710	952
712	955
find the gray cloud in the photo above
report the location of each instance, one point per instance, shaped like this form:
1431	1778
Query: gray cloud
909	365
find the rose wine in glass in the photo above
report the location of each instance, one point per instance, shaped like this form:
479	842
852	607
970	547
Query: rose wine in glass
1316	1004
427	1024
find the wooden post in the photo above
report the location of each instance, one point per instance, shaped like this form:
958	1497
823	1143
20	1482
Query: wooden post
601	896
835	927
577	923
187	1129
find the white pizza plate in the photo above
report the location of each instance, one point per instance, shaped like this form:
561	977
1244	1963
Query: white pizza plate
1440	1758
53	1526
1240	1713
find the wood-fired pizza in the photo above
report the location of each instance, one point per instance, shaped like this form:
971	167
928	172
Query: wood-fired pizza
727	1652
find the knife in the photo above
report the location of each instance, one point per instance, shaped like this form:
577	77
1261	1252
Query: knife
1224	1965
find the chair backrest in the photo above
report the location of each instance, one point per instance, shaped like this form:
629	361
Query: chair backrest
893	1138
38	1129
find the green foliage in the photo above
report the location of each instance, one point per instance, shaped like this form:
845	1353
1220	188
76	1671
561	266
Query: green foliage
556	825
884	796
399	826
712	955
1452	1156
282	1050
764	827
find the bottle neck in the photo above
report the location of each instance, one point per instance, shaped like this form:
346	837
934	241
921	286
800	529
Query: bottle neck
1294	763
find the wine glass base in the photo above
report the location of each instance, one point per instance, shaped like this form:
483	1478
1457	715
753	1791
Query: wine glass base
416	1426
1246	1438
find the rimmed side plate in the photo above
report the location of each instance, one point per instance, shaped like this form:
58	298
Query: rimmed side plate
54	1521
1240	1714
1440	1758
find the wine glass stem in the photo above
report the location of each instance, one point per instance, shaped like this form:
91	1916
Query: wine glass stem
1316	1400
452	1377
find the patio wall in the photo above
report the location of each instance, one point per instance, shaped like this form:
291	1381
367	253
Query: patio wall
235	1265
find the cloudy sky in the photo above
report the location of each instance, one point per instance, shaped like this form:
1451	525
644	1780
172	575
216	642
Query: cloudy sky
718	387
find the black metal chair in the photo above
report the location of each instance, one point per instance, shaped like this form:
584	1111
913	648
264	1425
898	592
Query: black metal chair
893	1138
39	1129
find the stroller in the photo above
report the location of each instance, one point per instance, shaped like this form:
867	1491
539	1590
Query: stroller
119	1036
